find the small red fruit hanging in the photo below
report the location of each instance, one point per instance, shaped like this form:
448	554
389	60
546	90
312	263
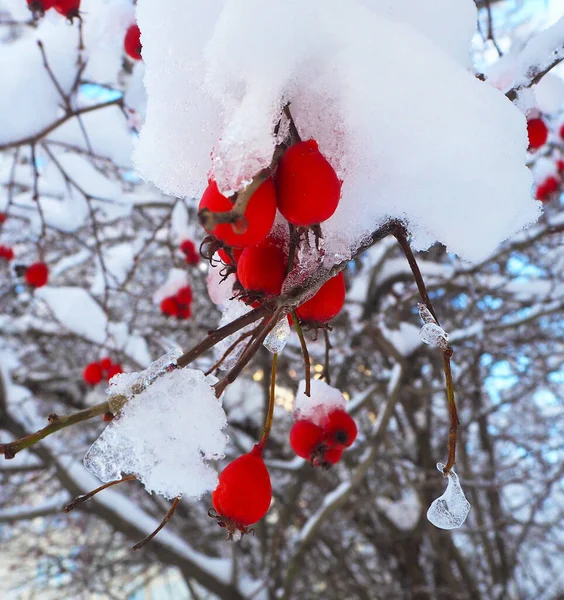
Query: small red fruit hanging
262	268
537	132
327	303
115	369
259	214
92	373
37	274
189	249
68	8
308	189
340	429
132	42
6	253
547	188
243	495
306	439
169	306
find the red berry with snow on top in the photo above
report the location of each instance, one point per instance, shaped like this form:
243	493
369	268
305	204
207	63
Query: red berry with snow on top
259	214
262	268
132	42
326	303
37	274
92	373
537	132
308	189
244	492
340	429
306	438
68	8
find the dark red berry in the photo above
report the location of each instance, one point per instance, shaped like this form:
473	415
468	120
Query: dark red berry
308	189
560	166
92	373
340	429
68	8
306	438
184	295
332	456
244	492
6	253
326	303
259	214
169	306
184	312
115	369
547	188
189	250
3	217
132	42
537	132
226	259
561	131
105	363
262	268
37	274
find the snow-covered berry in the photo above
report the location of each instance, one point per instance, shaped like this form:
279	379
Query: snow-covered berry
340	429
132	42
326	303
37	274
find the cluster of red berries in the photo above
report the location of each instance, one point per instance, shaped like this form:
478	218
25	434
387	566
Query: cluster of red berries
306	190
323	445
538	131
178	305
6	252
37	274
243	494
105	368
67	8
191	255
132	42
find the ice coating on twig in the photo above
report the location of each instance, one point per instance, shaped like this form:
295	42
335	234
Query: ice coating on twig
434	335
277	339
450	510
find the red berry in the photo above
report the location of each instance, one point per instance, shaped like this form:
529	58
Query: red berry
37	274
39	7
169	306
308	189
105	363
262	268
108	417
68	8
6	253
226	259
3	217
189	249
132	42
259	214
244	492
327	303
92	373
560	166
537	132
306	438
332	456
115	369
547	188
184	295
340	429
184	312
561	131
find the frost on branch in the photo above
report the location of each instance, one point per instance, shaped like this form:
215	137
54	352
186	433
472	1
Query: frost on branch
450	510
323	400
169	427
432	333
433	146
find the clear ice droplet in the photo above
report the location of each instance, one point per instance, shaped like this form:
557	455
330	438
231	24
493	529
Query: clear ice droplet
434	335
450	510
276	340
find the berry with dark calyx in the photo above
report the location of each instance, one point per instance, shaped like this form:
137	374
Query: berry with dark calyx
6	253
537	132
326	303
39	7
259	214
184	312
308	189
262	268
92	373
332	456
189	250
169	306
37	274
115	369
306	438
132	42
68	8
226	259
184	295
243	494
340	429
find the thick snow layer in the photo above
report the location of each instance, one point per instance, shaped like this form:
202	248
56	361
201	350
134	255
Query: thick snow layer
414	135
164	435
322	401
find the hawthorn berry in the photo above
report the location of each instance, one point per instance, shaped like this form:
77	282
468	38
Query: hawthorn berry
184	295
561	131
3	217
259	214
169	306
92	373
115	369
189	250
6	253
308	189
37	274
340	429
537	132
105	363
332	456
306	438
243	494
262	268
68	8
132	42
226	259
108	417
547	188
326	303
560	166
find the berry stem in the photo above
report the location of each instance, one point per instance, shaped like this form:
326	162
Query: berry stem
163	523
307	363
270	414
326	371
84	497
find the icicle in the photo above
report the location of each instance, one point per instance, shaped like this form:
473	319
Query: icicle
276	340
451	509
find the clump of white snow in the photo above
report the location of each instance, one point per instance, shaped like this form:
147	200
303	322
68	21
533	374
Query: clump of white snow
450	510
324	399
420	140
164	434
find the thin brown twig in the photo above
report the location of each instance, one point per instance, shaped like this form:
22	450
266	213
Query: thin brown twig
326	371
305	353
270	413
228	352
167	518
84	497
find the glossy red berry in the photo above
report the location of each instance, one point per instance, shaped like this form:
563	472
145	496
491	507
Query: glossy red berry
308	189
105	363
92	373
37	274
68	8
547	188
340	429
326	303
306	438
259	214
262	268
189	249
560	166
226	259
169	306
184	311
132	42
6	253
332	456
244	492
537	132
115	369
184	295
